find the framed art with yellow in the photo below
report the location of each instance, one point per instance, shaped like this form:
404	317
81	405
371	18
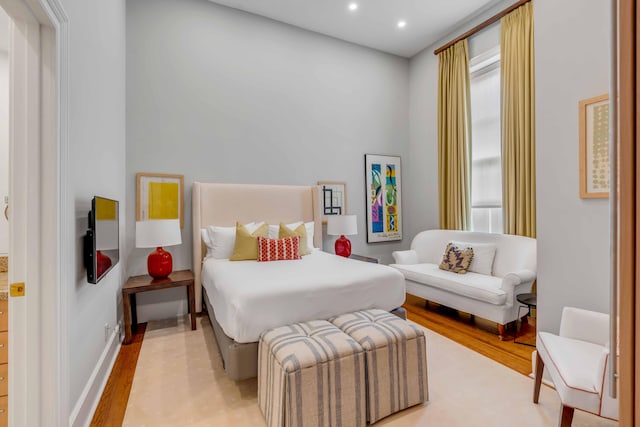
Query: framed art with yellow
159	196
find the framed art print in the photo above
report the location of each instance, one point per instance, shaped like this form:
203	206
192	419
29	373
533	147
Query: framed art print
334	198
159	196
383	182
594	147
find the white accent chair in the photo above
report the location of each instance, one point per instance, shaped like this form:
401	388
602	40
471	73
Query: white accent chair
578	363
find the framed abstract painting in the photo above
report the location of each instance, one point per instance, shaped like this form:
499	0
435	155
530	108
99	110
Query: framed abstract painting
383	181
334	198
159	196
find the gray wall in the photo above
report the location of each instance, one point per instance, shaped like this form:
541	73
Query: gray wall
220	95
97	158
572	63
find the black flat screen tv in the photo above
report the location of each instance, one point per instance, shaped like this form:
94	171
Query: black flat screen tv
101	243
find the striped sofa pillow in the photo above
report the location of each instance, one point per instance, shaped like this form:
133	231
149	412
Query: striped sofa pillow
287	248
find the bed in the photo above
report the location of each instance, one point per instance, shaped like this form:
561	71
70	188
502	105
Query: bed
245	298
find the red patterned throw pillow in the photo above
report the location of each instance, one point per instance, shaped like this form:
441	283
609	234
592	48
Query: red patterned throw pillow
287	248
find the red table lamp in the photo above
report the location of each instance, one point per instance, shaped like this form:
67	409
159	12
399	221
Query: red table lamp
156	234
341	225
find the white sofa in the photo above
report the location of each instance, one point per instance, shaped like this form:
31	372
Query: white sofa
492	297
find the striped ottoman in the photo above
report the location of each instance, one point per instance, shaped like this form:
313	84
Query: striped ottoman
311	374
396	360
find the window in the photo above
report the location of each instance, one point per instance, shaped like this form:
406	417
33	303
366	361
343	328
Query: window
486	164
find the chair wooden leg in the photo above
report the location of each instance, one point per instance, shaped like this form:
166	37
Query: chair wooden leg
566	416
501	332
538	378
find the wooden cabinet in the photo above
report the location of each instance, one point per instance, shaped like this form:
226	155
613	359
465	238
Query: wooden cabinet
4	316
4	359
4	411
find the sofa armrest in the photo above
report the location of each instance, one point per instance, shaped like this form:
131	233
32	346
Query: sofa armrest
405	257
517	278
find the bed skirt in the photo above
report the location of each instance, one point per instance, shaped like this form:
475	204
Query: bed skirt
240	361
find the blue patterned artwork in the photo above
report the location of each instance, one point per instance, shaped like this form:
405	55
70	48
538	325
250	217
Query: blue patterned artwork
383	198
377	223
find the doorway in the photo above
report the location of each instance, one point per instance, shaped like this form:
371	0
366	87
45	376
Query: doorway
4	213
37	142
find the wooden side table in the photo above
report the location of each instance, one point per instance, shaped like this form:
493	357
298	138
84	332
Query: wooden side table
146	283
528	301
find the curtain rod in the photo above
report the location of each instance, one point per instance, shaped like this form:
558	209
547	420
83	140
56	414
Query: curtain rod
482	25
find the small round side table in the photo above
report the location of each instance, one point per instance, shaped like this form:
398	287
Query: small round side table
527	301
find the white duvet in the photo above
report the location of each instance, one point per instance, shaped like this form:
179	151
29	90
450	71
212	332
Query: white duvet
250	297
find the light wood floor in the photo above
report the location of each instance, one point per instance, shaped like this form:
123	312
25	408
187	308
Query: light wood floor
113	403
476	334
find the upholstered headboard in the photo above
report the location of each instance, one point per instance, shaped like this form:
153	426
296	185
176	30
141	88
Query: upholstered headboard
224	204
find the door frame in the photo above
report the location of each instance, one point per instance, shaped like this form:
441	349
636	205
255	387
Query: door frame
628	100
41	212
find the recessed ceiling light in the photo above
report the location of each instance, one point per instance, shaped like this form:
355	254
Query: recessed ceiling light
402	24
353	7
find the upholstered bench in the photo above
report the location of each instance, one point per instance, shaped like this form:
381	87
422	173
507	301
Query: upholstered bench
311	374
396	362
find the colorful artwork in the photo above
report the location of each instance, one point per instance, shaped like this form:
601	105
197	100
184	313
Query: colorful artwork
377	219
383	188
391	201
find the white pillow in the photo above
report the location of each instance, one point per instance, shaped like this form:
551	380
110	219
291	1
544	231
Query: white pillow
223	239
310	226
483	254
408	257
274	231
204	235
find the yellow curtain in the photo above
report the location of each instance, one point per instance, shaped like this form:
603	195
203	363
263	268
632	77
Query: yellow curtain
518	122
454	137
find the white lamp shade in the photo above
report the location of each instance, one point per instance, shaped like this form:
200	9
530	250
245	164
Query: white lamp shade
338	225
159	232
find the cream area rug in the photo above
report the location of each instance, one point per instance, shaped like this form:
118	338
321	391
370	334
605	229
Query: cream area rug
179	381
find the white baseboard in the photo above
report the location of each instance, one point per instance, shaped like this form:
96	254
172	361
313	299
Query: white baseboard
86	405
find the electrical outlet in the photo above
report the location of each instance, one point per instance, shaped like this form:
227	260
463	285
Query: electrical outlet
107	328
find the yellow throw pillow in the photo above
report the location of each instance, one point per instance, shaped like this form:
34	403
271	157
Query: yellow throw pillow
300	231
246	246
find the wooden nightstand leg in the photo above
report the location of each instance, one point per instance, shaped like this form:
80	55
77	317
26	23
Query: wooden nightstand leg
126	303
134	313
192	305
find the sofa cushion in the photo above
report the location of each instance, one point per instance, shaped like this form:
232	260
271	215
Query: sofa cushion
472	285
571	363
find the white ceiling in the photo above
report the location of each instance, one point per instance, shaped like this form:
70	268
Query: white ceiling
374	23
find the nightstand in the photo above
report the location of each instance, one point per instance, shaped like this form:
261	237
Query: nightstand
365	258
137	284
